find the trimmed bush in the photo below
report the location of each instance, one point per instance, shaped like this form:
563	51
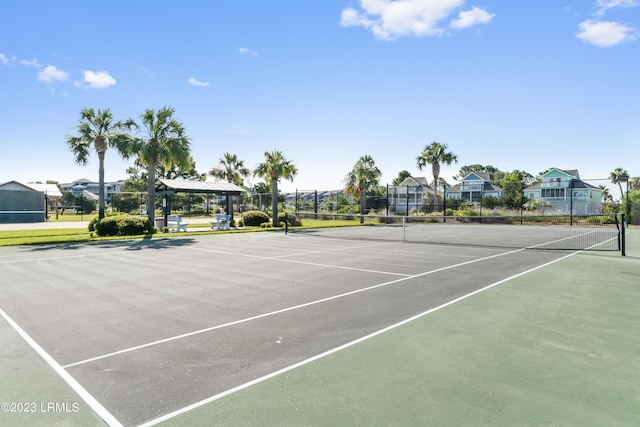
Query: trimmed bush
292	219
255	218
134	225
123	225
92	223
108	226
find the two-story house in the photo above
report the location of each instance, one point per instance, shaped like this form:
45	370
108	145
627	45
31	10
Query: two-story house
473	187
566	193
411	194
87	188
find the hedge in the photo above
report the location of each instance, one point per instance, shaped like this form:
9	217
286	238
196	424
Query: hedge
123	225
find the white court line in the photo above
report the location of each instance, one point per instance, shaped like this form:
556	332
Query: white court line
246	385
268	258
284	310
75	386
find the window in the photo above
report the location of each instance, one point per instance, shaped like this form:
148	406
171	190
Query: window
553	193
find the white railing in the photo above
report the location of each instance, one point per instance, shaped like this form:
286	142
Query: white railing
554	184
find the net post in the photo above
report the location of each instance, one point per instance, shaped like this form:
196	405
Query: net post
622	236
571	202
315	204
404	229
387	204
286	222
444	202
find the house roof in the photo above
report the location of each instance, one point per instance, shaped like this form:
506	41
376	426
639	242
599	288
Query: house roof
482	175
91	196
413	181
15	186
50	190
179	185
572	172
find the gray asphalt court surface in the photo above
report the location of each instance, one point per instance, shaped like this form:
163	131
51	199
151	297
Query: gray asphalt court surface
141	330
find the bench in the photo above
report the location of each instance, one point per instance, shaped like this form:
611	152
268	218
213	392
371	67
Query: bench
177	220
221	222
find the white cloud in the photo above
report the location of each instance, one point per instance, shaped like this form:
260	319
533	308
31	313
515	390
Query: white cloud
32	63
5	60
605	5
98	79
390	19
605	33
610	4
469	18
51	74
193	82
245	51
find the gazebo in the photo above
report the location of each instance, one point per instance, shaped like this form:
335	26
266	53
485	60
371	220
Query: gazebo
165	187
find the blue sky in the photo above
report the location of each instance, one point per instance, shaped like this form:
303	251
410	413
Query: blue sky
518	85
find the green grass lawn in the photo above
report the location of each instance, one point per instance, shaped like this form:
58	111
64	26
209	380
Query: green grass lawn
200	224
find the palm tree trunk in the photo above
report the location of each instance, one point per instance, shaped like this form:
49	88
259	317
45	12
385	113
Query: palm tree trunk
101	186
363	205
621	192
435	169
151	192
274	201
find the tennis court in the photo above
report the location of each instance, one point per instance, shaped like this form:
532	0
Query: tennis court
148	332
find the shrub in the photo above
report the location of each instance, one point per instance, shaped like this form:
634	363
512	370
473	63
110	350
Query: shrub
134	225
125	225
108	226
92	223
465	212
290	218
255	218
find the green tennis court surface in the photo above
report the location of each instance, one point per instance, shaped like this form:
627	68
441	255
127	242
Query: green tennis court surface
367	334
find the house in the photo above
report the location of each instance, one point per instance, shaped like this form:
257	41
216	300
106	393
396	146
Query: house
308	200
84	186
566	192
473	187
413	193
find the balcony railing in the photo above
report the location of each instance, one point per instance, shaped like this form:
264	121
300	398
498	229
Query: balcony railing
554	184
470	187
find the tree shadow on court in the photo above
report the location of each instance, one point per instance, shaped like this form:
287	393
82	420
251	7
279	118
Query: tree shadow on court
147	242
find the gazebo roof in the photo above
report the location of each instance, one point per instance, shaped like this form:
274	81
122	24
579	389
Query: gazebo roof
183	186
50	190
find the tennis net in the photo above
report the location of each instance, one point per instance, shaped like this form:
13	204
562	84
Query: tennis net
603	232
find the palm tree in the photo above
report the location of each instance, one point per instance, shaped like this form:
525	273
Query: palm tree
606	194
230	169
364	176
98	129
402	175
435	154
164	143
274	168
618	176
